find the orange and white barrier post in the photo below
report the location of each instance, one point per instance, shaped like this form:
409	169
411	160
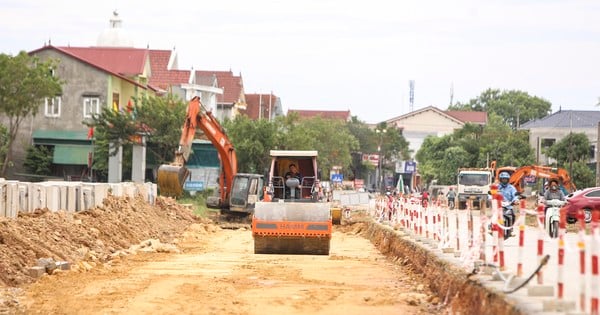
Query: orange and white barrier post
595	248
457	231
496	207
561	253
581	246
521	238
540	242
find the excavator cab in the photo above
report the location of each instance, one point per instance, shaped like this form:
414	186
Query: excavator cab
246	190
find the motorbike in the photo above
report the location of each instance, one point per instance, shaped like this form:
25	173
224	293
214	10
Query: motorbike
552	216
509	218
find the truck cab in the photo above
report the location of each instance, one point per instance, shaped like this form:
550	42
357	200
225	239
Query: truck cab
473	185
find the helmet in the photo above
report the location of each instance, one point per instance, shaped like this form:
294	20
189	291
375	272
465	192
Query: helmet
504	175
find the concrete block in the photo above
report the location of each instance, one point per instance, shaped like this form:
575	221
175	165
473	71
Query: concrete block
24	197
555	305
73	198
501	275
12	200
39	196
87	198
36	271
129	190
100	193
116	189
53	197
63	265
540	290
62	200
3	197
448	250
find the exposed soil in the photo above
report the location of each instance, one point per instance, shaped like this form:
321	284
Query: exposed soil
129	257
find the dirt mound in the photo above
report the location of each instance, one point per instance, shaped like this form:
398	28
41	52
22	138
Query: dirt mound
88	235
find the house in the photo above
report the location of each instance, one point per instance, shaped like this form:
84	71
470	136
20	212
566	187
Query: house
545	132
94	78
167	78
343	115
432	121
233	100
428	121
267	106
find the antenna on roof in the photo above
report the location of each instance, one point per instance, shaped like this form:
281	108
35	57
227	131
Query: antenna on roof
451	93
50	41
411	95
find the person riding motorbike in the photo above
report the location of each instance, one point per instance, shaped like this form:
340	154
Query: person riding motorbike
550	219
509	193
553	192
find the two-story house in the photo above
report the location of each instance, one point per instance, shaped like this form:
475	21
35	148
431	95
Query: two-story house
93	78
428	121
262	106
545	132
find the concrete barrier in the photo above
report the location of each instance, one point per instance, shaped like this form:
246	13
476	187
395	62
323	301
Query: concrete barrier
16	197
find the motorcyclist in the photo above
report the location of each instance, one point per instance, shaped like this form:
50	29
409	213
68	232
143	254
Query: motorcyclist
509	193
553	192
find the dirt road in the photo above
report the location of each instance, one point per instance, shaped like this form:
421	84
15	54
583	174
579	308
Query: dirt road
217	273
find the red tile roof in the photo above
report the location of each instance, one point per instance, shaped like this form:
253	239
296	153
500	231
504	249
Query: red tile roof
326	114
160	75
469	116
232	86
256	103
92	63
125	61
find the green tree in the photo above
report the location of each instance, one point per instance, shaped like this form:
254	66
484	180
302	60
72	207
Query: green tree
38	160
573	147
515	107
252	141
505	146
159	118
25	82
473	146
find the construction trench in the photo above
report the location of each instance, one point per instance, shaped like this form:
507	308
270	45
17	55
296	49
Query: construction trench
452	284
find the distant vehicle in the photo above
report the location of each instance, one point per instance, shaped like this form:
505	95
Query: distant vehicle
587	199
473	184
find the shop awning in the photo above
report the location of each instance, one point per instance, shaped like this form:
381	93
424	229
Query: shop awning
71	154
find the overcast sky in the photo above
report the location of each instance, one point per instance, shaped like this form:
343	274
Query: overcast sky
349	55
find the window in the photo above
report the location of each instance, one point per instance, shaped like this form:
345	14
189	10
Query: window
592	152
52	107
546	143
91	106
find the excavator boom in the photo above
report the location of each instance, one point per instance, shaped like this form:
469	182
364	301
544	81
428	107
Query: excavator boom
171	177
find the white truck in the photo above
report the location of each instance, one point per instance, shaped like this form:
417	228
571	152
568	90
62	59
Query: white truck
473	184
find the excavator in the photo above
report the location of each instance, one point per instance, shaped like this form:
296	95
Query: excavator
547	172
238	192
293	218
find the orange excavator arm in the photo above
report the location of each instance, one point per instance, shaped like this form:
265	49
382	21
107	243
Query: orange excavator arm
198	117
541	172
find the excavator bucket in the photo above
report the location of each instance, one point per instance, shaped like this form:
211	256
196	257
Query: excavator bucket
170	179
291	228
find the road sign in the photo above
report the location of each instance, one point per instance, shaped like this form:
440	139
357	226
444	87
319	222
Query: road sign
193	185
337	178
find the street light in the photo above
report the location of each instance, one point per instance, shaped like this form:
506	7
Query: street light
379	175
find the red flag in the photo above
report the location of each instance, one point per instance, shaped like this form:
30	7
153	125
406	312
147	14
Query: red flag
91	133
129	107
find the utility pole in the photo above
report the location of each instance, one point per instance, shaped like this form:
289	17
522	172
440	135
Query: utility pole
598	156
